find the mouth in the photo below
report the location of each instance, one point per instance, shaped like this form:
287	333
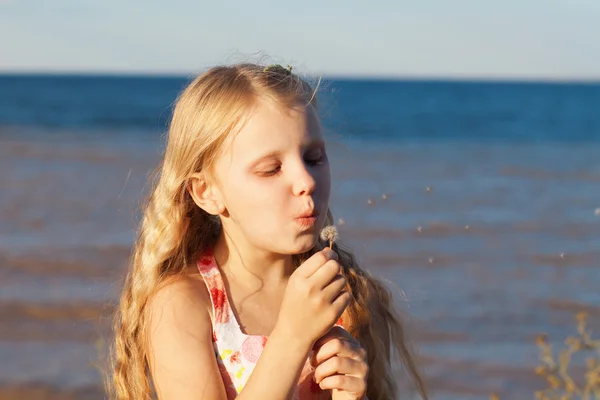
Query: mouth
308	214
307	219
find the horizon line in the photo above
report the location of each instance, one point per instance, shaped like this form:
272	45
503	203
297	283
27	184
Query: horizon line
329	76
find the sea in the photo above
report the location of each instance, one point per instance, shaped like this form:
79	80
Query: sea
477	202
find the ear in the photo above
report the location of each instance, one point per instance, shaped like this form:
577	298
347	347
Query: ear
205	194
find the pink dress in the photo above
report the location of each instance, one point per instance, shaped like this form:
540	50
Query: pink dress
237	353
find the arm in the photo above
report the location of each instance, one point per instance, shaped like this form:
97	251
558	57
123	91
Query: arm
278	368
181	356
182	359
180	351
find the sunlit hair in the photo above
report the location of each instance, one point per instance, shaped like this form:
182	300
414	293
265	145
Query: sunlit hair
174	231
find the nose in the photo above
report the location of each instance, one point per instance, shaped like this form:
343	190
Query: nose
304	183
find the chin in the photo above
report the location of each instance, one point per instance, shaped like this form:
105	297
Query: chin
304	244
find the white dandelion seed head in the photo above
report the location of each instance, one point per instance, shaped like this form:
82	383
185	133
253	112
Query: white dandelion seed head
329	233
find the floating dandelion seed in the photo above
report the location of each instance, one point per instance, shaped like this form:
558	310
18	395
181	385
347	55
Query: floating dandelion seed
431	260
384	196
428	188
341	222
562	255
419	229
329	233
597	212
467	227
370	202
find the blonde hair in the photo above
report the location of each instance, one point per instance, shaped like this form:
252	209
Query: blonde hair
174	231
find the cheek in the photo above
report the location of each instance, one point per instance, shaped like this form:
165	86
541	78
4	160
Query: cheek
257	201
265	215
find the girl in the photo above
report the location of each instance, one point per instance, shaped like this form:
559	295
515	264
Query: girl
230	294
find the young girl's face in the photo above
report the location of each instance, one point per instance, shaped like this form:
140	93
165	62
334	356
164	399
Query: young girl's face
273	175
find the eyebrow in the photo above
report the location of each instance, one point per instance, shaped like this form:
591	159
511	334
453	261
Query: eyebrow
271	154
315	143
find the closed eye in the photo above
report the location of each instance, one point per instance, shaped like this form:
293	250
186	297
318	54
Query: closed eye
316	161
313	160
316	156
271	172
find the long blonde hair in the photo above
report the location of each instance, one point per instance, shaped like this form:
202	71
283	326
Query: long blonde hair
174	231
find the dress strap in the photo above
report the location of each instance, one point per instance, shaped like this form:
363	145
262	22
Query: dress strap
208	268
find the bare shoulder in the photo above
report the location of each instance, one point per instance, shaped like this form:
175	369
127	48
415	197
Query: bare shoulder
180	304
187	290
180	347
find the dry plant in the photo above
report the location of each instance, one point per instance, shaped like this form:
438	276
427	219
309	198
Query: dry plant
561	385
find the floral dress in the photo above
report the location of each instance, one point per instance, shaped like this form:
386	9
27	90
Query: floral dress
237	353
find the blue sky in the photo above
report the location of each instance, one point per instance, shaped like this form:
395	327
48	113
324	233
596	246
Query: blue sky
539	39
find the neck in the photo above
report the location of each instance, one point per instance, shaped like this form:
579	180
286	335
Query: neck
251	266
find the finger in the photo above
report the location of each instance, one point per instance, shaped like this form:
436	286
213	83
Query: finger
324	275
334	287
346	383
341	302
334	332
341	348
340	365
315	262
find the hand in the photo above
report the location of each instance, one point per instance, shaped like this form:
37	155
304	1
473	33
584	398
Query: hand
341	365
314	298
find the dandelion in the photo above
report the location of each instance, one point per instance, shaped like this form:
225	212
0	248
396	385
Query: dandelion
330	234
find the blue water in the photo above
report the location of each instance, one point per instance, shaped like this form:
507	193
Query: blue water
504	245
356	109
